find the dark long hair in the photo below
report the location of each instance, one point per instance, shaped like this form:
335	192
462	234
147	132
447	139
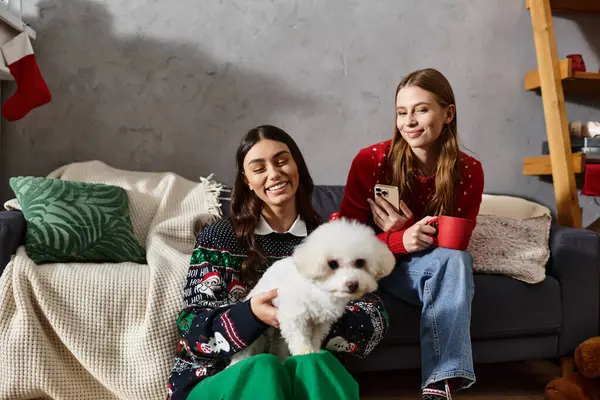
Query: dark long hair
246	206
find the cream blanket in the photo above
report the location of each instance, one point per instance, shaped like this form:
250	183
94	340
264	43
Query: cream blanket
511	238
104	331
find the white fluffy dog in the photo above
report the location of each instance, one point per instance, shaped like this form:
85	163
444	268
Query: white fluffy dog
338	262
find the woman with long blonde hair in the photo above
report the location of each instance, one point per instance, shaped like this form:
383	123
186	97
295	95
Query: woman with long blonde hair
433	178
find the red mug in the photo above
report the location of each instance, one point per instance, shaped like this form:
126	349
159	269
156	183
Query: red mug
577	63
452	232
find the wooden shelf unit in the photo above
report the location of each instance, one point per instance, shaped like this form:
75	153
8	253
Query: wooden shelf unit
572	81
553	78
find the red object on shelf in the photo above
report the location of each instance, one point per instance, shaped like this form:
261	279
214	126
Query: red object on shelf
577	63
591	183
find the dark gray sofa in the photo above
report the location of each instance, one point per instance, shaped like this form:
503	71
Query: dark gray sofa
511	320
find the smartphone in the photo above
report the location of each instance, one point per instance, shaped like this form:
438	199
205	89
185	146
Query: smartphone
390	193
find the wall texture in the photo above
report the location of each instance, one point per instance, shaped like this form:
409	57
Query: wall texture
164	85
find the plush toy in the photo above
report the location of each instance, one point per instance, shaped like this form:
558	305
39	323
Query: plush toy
585	383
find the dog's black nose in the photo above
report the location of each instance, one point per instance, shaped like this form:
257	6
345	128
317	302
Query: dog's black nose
352	286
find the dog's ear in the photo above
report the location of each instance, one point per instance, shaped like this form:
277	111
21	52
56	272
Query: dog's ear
385	260
308	262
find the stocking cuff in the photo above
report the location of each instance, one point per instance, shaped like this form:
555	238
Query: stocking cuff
17	48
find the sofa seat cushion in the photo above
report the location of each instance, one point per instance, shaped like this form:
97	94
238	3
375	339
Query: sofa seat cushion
502	308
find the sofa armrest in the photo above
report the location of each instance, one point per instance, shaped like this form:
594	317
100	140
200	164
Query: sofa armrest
12	235
575	263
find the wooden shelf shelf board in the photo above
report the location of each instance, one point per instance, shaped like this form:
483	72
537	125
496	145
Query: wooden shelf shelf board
541	165
573	81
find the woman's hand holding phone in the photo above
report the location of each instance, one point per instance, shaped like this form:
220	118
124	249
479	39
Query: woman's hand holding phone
386	217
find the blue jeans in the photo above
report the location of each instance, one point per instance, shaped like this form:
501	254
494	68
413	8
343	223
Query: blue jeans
441	281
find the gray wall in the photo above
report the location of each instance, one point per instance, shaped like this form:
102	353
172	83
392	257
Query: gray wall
173	85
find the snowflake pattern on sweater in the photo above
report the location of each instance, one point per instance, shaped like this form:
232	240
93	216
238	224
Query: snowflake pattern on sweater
215	322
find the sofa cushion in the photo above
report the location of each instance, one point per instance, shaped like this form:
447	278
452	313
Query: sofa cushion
502	308
326	199
71	221
12	235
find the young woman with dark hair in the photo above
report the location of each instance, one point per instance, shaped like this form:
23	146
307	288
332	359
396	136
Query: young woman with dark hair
271	213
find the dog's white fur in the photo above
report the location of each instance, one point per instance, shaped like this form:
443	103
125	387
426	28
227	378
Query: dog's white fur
311	295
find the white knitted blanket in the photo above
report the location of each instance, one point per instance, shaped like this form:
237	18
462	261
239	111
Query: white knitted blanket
104	331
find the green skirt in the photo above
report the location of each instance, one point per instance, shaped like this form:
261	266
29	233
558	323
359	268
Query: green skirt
310	377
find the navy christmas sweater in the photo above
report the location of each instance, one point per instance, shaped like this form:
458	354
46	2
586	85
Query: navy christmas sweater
215	322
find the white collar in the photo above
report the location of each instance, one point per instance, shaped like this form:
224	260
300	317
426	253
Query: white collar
298	228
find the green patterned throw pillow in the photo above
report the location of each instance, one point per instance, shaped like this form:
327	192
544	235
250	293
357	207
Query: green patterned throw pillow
70	221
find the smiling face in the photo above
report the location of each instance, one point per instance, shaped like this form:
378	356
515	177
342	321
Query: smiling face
420	118
271	172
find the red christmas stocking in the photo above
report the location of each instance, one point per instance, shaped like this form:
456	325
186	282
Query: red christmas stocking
31	91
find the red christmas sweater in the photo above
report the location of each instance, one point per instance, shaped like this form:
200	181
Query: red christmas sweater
368	169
